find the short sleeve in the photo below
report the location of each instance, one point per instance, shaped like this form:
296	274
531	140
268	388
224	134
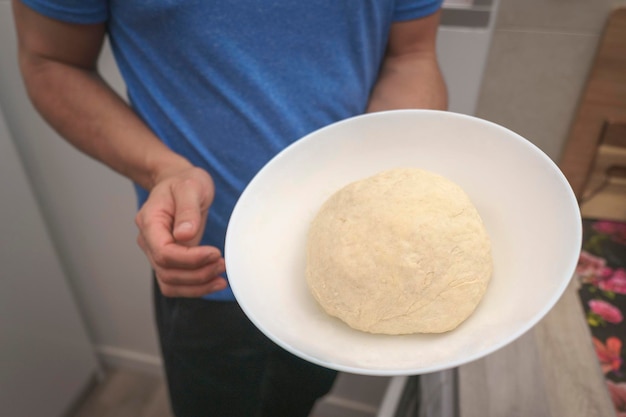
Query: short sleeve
71	11
414	9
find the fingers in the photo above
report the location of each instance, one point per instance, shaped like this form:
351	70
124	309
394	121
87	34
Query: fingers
197	277
177	257
196	283
186	271
215	285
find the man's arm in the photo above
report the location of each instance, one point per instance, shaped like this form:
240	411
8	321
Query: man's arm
410	76
58	64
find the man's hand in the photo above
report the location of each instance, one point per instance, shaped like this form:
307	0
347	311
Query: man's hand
170	225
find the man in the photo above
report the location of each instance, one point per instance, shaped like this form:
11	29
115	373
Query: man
215	89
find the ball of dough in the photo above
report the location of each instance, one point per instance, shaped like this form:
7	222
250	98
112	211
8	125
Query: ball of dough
404	251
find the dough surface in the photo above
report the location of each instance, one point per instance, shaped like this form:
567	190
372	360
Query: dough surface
404	251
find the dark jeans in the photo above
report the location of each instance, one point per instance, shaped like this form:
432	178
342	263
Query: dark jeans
219	365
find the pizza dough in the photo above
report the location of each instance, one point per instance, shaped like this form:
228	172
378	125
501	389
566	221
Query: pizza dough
401	252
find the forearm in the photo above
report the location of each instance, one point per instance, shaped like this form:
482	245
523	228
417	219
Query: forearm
58	63
91	116
411	80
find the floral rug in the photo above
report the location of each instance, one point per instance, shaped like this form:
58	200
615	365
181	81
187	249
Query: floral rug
602	275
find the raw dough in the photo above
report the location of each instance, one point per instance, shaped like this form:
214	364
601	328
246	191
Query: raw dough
403	251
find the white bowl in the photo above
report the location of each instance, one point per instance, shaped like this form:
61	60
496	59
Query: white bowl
526	203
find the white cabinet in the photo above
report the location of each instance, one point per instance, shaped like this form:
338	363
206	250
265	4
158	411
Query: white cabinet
463	45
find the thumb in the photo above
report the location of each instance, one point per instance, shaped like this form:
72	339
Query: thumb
185	230
189	216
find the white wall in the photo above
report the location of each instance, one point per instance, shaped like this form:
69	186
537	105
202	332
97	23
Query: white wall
46	357
541	53
90	211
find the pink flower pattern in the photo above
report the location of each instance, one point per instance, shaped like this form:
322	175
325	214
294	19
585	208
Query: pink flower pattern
618	395
591	269
609	354
616	230
613	281
601	270
606	311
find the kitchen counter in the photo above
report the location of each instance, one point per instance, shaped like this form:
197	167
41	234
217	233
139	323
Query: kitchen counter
551	371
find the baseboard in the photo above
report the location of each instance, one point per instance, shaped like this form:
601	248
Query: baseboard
112	356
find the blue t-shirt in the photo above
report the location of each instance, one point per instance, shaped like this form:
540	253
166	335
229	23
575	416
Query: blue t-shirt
229	84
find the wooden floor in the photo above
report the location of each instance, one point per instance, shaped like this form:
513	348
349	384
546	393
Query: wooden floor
126	393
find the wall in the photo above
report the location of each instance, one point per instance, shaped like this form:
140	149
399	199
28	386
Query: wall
36	306
540	56
89	211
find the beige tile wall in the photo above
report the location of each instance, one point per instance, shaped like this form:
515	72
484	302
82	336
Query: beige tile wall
540	56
